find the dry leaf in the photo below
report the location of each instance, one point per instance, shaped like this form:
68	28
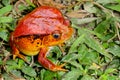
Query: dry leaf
78	14
48	3
95	66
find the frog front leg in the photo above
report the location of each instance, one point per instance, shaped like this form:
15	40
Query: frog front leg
16	53
15	50
47	63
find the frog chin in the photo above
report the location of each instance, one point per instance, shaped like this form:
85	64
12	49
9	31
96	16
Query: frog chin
29	53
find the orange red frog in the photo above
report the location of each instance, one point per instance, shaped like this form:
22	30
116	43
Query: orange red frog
37	31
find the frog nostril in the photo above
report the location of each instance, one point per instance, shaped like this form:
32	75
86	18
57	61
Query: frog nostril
38	43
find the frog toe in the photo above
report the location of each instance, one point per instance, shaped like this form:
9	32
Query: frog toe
59	68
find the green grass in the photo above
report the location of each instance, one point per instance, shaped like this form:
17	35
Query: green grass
92	53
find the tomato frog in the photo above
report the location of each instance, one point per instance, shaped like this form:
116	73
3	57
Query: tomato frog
37	31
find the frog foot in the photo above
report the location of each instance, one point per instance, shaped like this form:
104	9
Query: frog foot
59	68
47	63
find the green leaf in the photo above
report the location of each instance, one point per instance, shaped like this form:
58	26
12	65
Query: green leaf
114	64
88	57
114	7
106	75
101	31
115	50
20	63
76	43
4	34
70	57
42	72
6	2
74	63
29	71
49	75
16	73
102	27
5	19
117	1
1	62
72	75
29	2
5	9
11	62
6	76
11	65
87	77
106	1
109	70
93	43
113	77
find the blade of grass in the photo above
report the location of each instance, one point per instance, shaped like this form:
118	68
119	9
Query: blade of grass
5	9
5	19
28	1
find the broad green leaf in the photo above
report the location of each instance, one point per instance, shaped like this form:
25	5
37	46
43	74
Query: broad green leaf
4	34
82	48
74	63
6	2
11	65
93	43
29	71
76	43
102	27
49	75
16	73
70	57
5	9
117	1
72	75
83	21
20	63
1	62
88	77
101	31
114	64
115	50
88	57
42	72
11	62
5	19
113	77
6	76
105	1
106	76
109	70
114	7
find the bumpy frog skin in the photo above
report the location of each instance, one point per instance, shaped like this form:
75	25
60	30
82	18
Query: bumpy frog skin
37	31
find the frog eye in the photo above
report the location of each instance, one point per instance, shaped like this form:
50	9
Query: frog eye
56	35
